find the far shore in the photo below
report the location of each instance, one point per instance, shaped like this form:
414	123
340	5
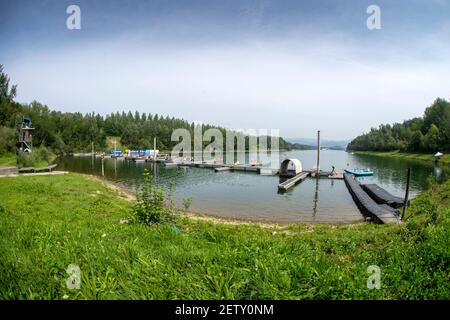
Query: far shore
445	159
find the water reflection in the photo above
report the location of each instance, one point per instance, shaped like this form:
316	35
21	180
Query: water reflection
248	195
316	199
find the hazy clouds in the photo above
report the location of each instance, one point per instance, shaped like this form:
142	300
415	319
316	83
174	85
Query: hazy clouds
341	81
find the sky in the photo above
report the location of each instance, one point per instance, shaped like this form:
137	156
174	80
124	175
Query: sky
297	66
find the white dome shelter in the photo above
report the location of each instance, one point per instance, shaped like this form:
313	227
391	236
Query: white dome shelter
290	167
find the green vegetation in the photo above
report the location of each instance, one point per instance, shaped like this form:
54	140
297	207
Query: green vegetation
39	158
8	160
445	159
299	146
187	202
64	132
49	222
152	205
114	142
430	133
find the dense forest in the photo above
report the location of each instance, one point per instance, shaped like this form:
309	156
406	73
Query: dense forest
64	132
429	133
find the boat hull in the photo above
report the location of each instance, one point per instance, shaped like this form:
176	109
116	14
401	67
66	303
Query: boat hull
359	173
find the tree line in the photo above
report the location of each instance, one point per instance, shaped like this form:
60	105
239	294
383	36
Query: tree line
429	133
70	132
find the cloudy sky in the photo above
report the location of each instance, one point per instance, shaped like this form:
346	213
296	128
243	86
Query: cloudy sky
298	66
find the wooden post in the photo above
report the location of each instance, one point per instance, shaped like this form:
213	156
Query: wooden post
318	155
405	202
154	149
92	155
115	167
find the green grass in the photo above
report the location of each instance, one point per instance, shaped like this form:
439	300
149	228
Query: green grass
41	164
404	155
8	160
110	143
49	222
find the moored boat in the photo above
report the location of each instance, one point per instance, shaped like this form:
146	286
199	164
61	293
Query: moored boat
360	172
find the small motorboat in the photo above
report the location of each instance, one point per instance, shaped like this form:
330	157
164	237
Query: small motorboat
360	172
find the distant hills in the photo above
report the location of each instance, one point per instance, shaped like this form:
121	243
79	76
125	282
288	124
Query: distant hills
308	143
299	146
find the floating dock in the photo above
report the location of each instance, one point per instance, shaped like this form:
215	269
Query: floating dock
222	166
381	196
289	183
382	213
326	174
32	169
338	174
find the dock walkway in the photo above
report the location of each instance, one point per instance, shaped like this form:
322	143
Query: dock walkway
35	170
292	181
381	196
222	166
368	206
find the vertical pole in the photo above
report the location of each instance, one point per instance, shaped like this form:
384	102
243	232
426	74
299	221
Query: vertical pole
318	155
115	167
405	202
154	149
316	200
92	155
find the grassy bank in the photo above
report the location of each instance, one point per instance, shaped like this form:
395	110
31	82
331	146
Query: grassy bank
8	160
39	158
49	222
403	155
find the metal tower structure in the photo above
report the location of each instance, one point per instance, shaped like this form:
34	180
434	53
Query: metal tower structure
26	135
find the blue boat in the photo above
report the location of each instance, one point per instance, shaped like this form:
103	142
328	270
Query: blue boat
360	172
116	153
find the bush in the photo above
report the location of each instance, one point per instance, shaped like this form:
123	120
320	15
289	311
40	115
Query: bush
38	158
150	208
25	159
187	203
8	140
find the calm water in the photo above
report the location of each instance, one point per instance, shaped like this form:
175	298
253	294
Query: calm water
249	195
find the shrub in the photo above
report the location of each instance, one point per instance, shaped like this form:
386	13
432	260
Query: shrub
150	208
187	203
25	159
8	140
38	158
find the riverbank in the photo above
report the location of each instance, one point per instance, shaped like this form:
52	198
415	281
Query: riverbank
40	158
403	155
49	222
